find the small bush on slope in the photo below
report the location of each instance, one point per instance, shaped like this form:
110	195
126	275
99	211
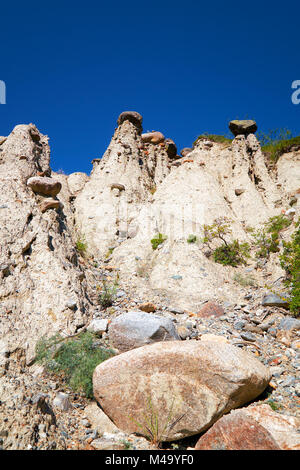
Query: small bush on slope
277	142
267	239
73	359
229	253
290	262
156	241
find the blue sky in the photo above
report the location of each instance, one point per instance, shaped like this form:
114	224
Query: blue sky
188	67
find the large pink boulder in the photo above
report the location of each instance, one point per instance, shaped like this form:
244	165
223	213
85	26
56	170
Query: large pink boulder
184	385
252	428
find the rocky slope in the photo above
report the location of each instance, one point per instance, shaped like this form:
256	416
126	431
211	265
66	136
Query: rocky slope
139	188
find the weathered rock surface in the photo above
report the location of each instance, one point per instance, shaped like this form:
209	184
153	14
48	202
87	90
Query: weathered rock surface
153	137
211	309
134	329
254	427
273	300
188	384
103	213
44	185
132	116
244	127
49	203
184	152
36	246
176	202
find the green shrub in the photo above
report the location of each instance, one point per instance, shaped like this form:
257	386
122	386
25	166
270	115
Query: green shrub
232	254
156	241
290	262
267	239
191	239
107	293
81	245
73	359
229	253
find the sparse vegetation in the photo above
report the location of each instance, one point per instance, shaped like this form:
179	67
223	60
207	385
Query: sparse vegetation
108	293
109	252
152	428
273	404
229	253
81	245
158	240
290	262
276	142
267	239
244	281
72	359
191	239
220	139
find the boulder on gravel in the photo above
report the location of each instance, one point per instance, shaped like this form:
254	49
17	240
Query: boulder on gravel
136	328
187	386
252	428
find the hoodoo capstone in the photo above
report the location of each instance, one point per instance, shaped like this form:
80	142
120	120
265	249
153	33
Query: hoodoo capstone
244	127
154	137
132	116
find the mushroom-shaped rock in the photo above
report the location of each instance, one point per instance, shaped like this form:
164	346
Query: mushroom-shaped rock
184	152
44	185
154	137
245	127
50	203
132	116
171	148
187	385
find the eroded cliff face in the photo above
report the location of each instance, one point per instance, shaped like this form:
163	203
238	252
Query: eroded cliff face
120	184
135	193
41	284
140	188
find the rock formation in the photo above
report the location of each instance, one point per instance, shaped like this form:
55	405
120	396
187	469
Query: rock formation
193	382
186	331
36	246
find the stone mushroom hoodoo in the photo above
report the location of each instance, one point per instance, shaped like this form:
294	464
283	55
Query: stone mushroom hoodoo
122	182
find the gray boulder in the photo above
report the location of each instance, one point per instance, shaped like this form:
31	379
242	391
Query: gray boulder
273	300
134	329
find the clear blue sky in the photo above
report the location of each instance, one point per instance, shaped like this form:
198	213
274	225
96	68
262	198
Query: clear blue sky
188	67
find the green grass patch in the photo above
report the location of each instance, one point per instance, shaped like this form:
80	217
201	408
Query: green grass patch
72	359
81	245
191	239
158	240
277	142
